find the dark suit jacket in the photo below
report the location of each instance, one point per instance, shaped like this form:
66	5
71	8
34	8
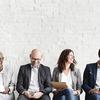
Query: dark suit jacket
24	77
89	78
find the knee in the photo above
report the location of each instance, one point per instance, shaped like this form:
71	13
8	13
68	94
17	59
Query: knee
68	91
22	97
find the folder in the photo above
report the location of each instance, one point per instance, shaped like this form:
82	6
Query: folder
59	85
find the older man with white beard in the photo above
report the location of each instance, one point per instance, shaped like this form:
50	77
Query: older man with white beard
6	83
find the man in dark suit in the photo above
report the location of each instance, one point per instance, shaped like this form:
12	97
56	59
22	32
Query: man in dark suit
91	80
33	82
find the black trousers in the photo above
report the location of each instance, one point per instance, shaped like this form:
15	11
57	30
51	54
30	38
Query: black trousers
44	97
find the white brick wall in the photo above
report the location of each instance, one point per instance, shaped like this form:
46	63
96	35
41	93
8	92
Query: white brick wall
51	25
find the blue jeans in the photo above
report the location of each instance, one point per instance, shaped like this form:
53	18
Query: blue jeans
66	94
93	97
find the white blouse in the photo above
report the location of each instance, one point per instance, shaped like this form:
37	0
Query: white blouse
66	78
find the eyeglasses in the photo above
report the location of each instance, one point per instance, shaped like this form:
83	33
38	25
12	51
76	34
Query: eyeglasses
35	59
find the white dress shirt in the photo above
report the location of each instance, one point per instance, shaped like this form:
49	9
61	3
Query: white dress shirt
98	78
34	85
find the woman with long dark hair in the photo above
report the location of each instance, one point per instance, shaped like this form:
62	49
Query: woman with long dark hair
67	72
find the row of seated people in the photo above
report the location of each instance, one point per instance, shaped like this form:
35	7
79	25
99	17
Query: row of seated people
34	79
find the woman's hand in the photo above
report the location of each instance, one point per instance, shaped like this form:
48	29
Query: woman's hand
76	92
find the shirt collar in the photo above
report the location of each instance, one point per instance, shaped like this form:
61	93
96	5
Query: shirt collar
35	67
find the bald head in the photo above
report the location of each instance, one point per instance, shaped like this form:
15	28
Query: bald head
35	57
36	53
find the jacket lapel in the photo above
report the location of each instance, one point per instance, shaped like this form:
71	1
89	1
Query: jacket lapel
40	75
73	78
95	71
28	73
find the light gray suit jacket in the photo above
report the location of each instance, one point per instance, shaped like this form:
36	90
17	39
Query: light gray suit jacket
76	78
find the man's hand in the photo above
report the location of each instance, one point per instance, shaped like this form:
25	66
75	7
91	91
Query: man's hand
97	92
27	94
6	90
92	91
37	95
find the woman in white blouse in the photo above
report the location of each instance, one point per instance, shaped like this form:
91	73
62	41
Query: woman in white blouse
6	82
67	72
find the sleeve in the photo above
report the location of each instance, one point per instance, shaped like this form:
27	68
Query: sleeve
20	81
79	81
9	79
85	85
47	85
54	75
